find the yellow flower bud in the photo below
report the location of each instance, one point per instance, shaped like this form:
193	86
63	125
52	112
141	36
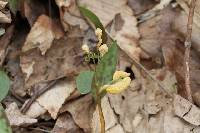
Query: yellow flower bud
103	49
120	74
119	86
98	32
85	48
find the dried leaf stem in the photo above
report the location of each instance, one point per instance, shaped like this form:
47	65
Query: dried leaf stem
101	116
187	51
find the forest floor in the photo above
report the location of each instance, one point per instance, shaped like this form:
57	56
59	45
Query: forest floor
40	50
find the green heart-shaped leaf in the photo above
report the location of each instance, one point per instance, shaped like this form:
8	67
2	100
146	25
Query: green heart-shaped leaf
4	85
84	81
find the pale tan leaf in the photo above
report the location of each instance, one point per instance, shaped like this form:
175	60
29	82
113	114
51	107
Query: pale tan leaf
105	10
81	111
66	124
53	99
35	110
5	17
116	129
70	15
42	34
27	68
3	4
186	110
16	118
127	33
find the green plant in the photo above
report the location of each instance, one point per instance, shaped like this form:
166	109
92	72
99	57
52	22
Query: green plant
104	79
4	88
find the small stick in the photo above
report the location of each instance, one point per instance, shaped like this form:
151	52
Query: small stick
36	95
187	51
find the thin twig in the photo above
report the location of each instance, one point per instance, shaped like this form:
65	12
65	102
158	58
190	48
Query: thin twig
187	51
39	129
36	95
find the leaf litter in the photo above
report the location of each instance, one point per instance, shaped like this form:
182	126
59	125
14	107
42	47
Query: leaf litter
49	49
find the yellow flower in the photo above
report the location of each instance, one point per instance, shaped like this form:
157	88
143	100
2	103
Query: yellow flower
103	49
120	75
85	48
119	86
121	82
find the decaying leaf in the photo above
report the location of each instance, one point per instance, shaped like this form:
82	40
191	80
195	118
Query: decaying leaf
32	10
42	34
70	15
5	17
27	69
126	33
35	110
53	99
105	10
186	110
4	41
116	129
59	61
16	118
65	123
81	111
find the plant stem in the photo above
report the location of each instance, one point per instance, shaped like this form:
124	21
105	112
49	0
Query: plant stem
187	51
101	117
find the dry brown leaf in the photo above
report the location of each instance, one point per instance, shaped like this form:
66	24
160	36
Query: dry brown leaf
116	129
81	111
4	41
105	10
141	6
3	4
186	110
32	10
42	34
61	59
27	69
53	99
16	118
35	110
70	15
125	31
66	124
5	17
126	105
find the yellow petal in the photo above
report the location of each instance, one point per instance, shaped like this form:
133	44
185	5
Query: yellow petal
120	74
119	86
